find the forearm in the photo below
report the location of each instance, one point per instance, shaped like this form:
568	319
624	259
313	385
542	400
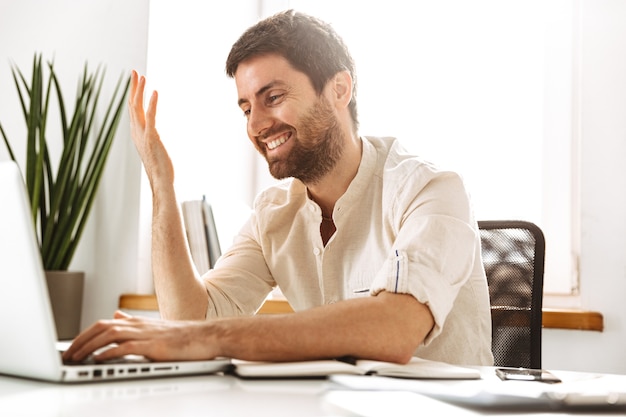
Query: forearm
379	328
180	293
388	327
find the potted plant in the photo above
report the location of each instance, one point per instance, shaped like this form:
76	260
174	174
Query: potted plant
62	192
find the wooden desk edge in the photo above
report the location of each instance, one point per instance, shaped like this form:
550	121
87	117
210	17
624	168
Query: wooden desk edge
553	318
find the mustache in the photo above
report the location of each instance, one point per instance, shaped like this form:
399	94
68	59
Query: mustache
274	130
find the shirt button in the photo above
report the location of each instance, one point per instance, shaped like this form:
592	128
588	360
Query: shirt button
317	251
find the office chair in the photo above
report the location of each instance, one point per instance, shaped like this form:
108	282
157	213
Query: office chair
513	256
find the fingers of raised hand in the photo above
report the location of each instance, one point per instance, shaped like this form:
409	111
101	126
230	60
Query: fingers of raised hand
151	112
135	100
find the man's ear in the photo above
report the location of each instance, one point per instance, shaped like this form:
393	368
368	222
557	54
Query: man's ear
341	88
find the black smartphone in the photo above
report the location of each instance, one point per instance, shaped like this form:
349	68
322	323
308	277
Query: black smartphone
526	374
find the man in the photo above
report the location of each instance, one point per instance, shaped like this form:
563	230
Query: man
377	251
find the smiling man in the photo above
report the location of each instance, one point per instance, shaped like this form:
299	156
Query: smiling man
377	251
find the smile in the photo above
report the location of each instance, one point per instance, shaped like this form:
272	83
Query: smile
277	142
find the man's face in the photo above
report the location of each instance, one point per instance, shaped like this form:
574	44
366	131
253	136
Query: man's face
295	130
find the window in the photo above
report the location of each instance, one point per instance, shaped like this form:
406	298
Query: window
485	87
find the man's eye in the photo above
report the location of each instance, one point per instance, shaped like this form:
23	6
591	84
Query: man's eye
274	98
246	113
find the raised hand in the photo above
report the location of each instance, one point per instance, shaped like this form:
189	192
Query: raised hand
153	154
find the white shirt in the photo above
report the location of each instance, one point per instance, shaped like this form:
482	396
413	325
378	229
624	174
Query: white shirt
402	226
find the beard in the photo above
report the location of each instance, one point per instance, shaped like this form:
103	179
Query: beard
317	146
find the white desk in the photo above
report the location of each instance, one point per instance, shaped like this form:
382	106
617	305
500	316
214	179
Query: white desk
213	395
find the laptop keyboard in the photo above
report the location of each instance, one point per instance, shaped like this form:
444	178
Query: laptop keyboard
91	361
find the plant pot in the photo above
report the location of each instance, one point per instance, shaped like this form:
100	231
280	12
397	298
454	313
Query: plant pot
66	297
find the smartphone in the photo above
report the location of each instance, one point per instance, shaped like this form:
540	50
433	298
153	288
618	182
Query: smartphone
526	374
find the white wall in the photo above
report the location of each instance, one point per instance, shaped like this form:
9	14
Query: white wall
115	32
109	32
603	199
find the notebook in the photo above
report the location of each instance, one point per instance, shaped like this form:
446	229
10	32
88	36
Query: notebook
417	368
29	345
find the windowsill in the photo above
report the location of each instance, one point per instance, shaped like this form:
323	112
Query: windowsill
558	317
563	311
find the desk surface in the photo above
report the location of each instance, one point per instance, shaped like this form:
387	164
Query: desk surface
216	395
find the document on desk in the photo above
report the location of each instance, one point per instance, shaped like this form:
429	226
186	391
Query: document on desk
417	368
578	391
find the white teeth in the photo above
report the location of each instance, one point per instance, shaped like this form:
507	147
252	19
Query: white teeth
276	143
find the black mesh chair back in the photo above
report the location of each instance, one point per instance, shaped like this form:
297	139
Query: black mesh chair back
513	255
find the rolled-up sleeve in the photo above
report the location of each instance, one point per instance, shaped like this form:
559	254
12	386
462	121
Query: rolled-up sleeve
433	252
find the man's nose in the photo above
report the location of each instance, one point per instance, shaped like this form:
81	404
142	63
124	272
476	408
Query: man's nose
259	121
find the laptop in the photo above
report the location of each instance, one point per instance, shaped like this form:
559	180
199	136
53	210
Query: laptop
29	345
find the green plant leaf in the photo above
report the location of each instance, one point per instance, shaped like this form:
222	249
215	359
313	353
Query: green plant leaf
61	201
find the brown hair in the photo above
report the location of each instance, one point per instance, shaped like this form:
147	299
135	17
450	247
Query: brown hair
310	45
